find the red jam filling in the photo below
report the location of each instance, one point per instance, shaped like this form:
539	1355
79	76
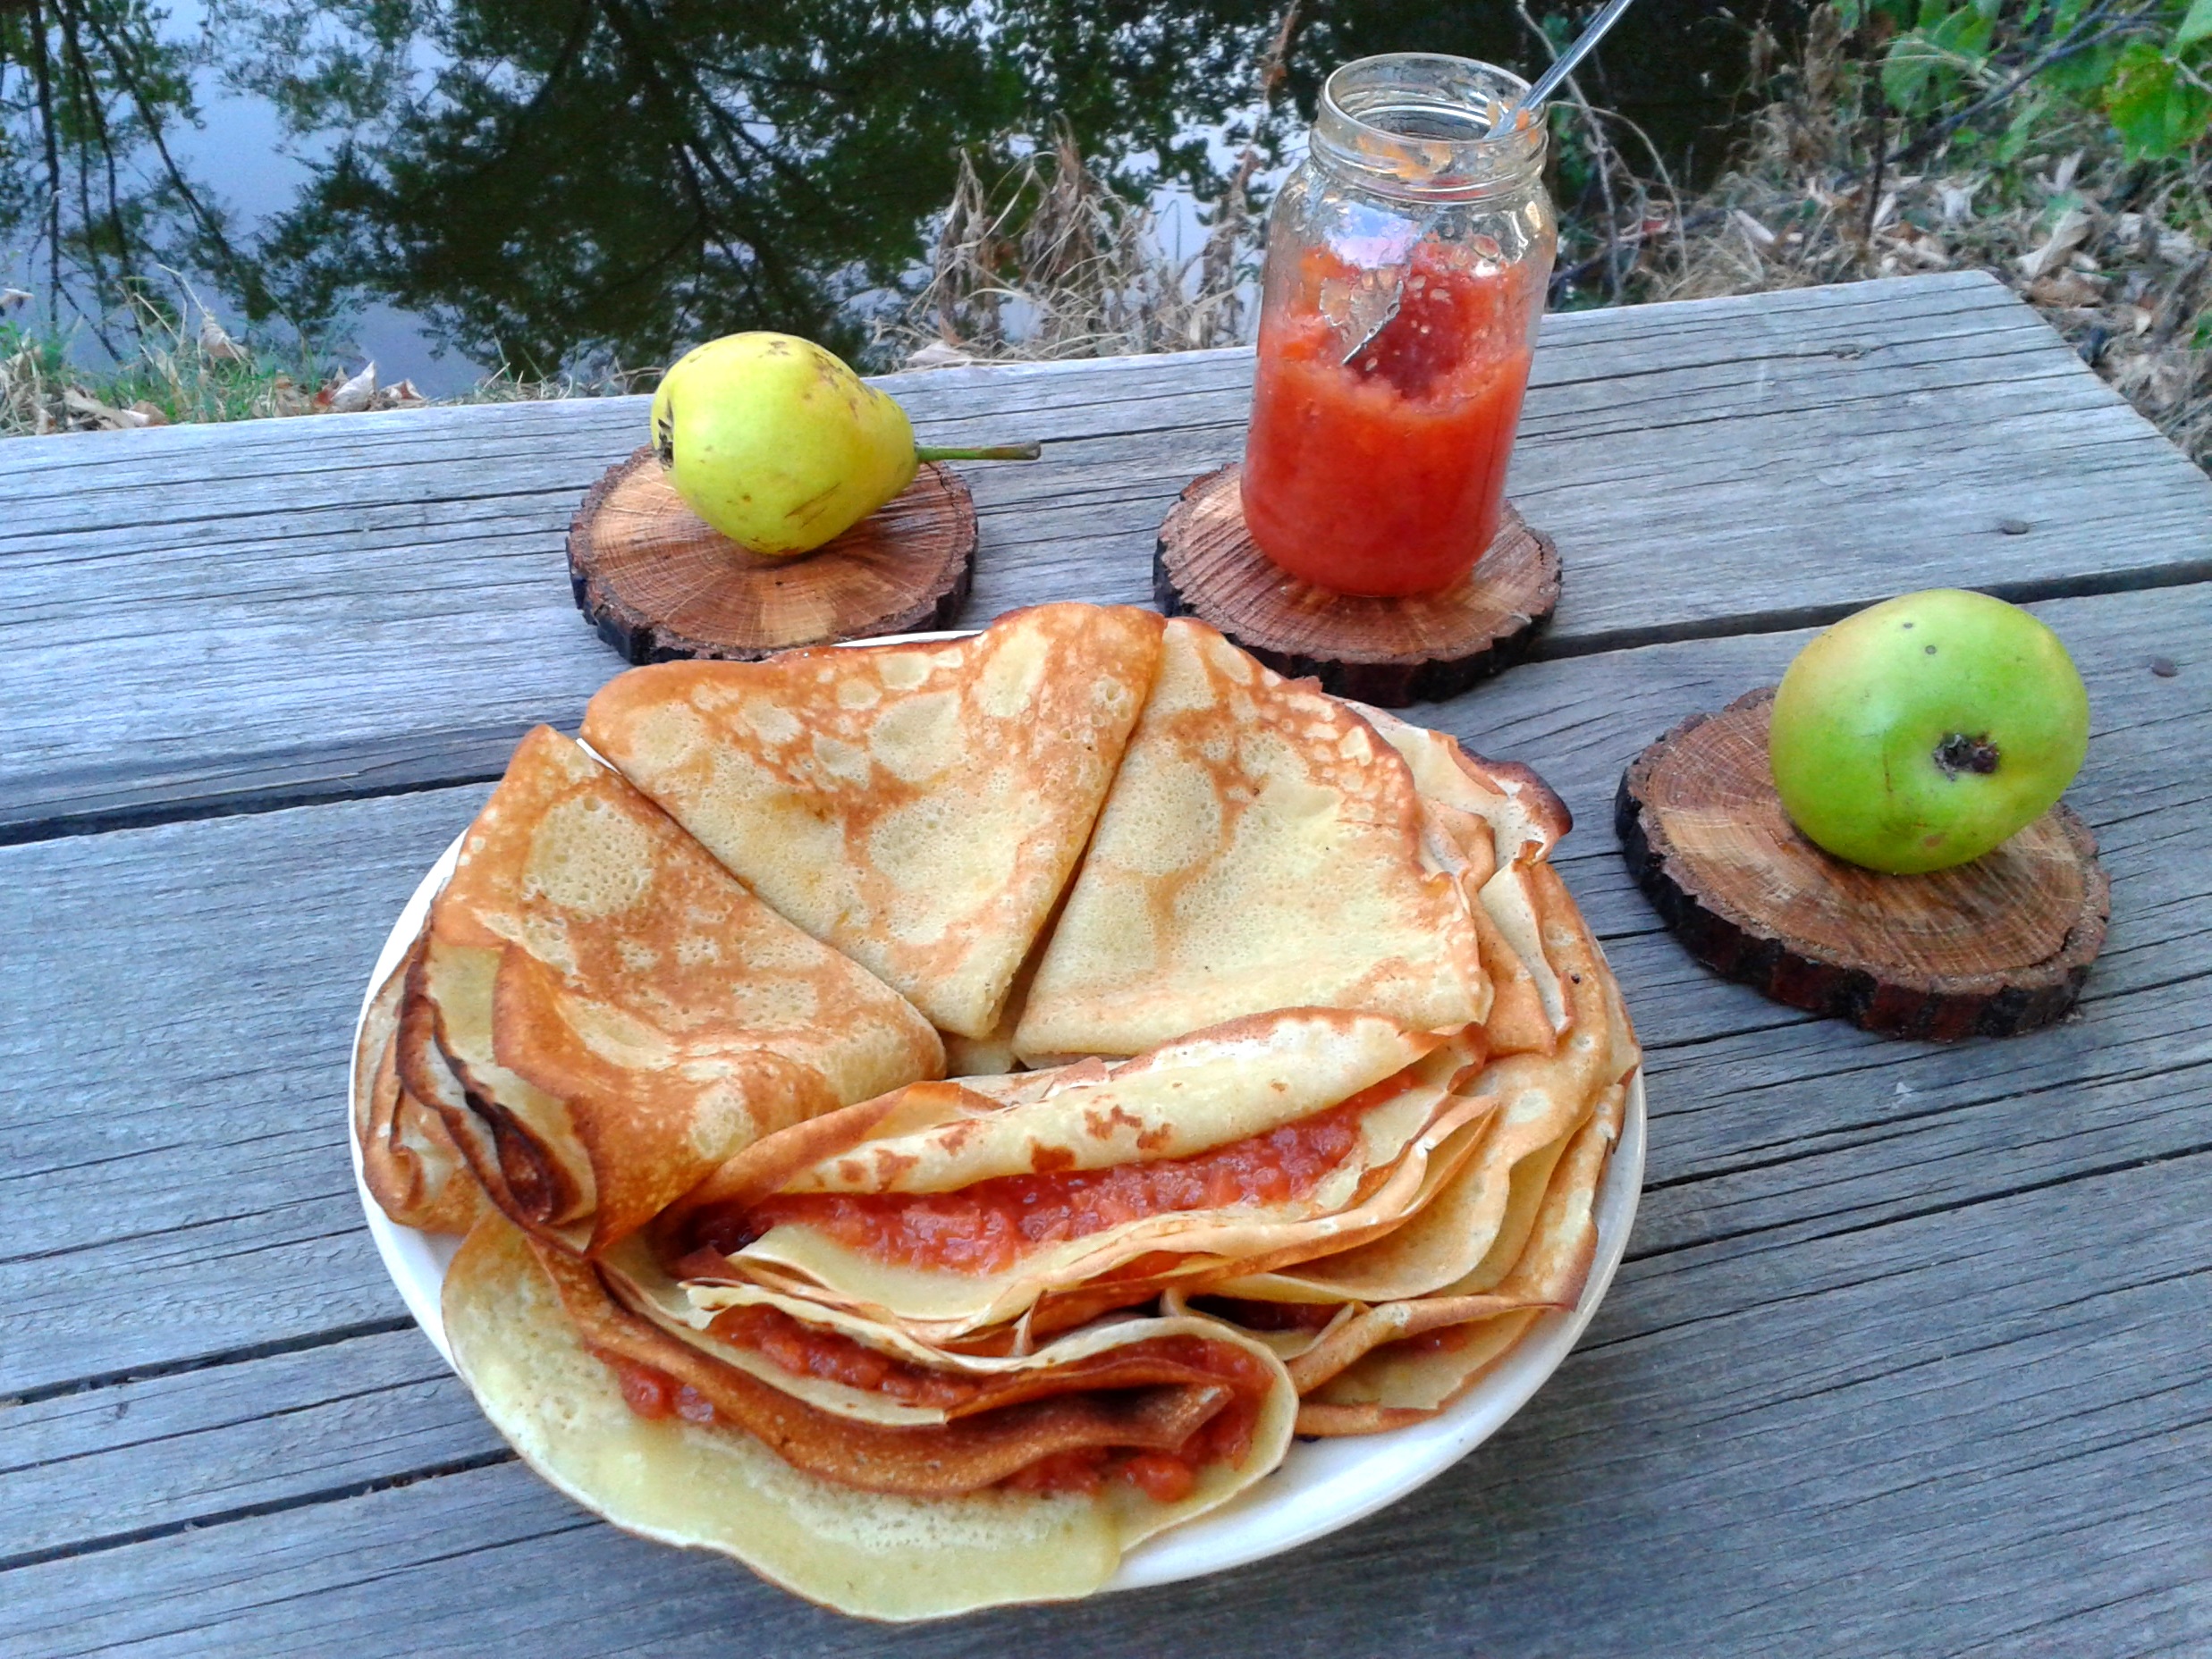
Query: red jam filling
1387	475
806	1351
1166	1476
655	1394
990	1225
1272	1316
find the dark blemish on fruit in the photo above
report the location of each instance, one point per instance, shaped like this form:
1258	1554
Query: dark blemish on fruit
1904	625
1959	753
1928	651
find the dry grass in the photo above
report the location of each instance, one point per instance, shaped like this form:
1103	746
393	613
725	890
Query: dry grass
1047	262
2113	257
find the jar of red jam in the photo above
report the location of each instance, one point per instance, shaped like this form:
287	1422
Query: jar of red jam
1407	264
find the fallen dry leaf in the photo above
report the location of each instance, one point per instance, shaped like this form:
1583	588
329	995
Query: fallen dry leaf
1757	235
104	415
217	345
350	397
2068	234
2067	288
939	354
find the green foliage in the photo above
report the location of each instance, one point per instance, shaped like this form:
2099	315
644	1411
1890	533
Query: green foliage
2159	108
2146	68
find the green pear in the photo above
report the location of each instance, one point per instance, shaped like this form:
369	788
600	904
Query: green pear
780	446
1925	730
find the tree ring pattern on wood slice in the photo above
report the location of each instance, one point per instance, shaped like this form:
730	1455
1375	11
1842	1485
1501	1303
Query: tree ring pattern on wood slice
1387	651
1993	948
658	582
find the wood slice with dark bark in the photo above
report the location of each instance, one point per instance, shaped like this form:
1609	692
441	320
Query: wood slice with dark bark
658	582
1387	651
1992	947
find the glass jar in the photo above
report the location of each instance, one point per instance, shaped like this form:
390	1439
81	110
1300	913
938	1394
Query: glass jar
1407	264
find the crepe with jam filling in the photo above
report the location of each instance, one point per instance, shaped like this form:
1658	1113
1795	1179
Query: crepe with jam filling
1068	1458
949	1209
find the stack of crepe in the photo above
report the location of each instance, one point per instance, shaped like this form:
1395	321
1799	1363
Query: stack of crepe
1284	1075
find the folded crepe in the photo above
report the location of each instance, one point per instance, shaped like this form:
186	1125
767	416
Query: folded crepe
781	1290
1405	1362
1262	849
1493	821
947	1209
919	807
1392	1330
409	1161
601	1014
1541	1099
1033	1477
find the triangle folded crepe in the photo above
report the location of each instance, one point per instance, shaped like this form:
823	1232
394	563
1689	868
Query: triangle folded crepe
1171	1123
601	1014
1262	849
880	1519
918	807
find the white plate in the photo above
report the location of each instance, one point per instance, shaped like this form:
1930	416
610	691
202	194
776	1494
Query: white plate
1321	1485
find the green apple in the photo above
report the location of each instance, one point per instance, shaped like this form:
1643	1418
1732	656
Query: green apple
1922	732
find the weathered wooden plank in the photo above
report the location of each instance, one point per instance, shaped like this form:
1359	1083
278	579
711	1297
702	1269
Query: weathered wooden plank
182	1133
222	1189
388	591
138	1458
1887	1441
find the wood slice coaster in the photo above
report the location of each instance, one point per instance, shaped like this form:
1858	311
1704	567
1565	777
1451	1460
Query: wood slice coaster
658	582
1387	651
1993	948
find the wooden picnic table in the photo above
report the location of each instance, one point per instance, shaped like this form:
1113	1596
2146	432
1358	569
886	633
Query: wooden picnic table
1913	1350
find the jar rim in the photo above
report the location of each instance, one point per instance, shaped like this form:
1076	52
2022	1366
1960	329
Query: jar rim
1423	125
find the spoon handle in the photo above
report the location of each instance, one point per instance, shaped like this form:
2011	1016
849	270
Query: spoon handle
1563	66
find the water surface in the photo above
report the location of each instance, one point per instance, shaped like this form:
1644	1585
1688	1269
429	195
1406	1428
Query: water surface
451	186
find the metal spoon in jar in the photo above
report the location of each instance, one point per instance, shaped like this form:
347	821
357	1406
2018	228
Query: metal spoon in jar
1522	112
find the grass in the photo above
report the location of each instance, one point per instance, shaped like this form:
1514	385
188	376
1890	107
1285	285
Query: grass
182	375
42	390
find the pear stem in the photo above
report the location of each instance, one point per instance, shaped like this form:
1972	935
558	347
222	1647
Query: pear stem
992	452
